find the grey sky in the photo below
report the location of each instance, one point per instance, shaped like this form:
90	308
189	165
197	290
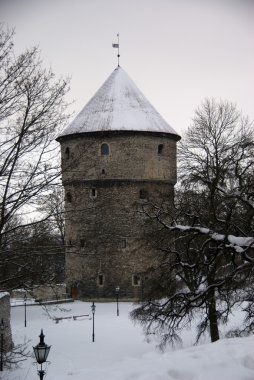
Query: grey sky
177	51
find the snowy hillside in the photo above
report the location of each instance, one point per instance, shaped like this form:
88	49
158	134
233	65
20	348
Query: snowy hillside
120	351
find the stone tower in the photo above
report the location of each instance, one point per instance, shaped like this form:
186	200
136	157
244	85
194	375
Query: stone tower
117	155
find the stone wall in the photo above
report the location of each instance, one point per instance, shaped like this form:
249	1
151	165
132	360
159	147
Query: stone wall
49	292
42	292
5	314
109	240
131	156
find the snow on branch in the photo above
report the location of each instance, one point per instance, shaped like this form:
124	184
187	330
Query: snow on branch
238	243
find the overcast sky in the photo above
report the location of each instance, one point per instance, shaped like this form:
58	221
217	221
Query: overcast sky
177	51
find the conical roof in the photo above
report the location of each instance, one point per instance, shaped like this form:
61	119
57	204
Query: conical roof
118	106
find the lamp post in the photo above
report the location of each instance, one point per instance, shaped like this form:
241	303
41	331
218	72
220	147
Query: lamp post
2	327
117	300
25	298
93	311
41	352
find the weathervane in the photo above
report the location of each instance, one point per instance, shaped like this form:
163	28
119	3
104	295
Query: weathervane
117	46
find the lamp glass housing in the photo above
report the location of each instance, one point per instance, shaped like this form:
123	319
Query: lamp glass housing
41	353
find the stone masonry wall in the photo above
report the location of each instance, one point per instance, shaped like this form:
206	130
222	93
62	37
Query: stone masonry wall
5	315
109	235
131	156
109	241
42	292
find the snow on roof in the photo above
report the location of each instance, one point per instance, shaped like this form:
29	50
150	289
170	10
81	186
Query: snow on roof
118	105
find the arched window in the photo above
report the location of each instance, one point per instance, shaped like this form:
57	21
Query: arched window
69	197
160	149
104	149
67	153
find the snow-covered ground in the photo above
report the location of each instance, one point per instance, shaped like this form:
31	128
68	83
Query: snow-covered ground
120	350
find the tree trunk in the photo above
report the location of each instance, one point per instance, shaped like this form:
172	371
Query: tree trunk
212	316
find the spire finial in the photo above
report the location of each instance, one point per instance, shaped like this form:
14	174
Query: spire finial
117	46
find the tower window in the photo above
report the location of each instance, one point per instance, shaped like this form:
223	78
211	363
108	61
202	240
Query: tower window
160	149
104	149
67	153
123	243
136	280
143	194
69	197
93	193
100	280
82	243
103	171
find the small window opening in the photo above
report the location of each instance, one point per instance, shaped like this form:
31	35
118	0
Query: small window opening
70	242
93	193
143	194
104	149
103	171
136	280
100	279
69	197
67	153
82	243
160	149
123	243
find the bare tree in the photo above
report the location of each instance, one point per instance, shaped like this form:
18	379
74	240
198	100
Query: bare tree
52	205
216	158
32	110
208	261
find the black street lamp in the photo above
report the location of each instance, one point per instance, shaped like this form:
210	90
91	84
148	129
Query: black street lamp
41	352
93	311
25	298
117	300
2	327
